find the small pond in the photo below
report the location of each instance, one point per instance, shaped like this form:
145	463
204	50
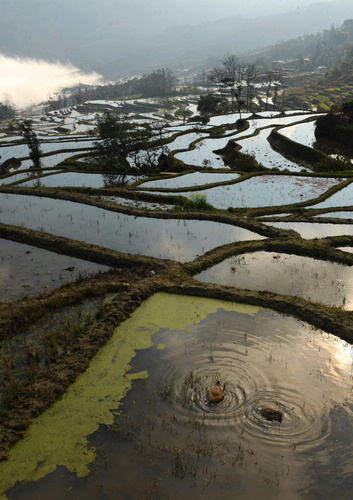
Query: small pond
140	425
177	239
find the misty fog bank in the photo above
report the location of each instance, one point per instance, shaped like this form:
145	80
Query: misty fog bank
28	81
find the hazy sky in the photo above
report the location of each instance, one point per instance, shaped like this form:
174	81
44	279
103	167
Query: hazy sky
74	30
250	8
28	81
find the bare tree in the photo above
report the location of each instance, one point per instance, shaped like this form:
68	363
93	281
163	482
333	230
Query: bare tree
231	78
250	79
277	82
273	78
216	77
230	66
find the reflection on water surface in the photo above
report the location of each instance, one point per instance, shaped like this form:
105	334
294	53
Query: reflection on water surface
309	230
166	438
177	239
28	270
320	281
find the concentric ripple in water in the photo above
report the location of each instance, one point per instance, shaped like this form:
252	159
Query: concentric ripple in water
166	437
291	369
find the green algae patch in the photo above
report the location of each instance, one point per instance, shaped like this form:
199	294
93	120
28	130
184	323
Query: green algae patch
60	435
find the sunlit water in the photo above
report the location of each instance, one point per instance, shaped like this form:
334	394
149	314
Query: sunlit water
202	151
22	150
343	198
310	230
184	141
267	190
259	147
337	215
188	180
166	441
316	280
177	239
303	133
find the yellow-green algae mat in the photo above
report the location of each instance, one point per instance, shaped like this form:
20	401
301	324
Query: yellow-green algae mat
59	436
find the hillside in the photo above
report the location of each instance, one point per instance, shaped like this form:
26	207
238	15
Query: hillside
321	93
123	38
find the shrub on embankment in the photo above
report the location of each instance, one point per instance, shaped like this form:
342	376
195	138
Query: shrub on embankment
308	157
238	161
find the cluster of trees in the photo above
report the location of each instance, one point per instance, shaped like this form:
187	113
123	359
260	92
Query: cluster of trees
237	85
161	82
7	111
321	49
337	125
124	146
32	141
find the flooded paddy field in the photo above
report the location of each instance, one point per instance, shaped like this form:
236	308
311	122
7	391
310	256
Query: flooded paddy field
184	141
342	198
202	151
309	230
315	280
154	432
259	147
268	191
26	270
125	202
22	151
76	179
45	341
181	240
262	191
337	215
118	371
303	133
188	180
15	178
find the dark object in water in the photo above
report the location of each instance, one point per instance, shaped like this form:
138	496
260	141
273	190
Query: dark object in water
216	394
271	414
